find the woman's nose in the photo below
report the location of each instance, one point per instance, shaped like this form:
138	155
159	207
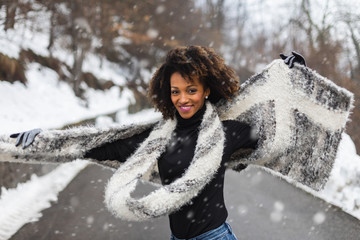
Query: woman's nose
183	98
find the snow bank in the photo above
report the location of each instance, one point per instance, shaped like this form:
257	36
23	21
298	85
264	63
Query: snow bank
343	187
24	203
47	103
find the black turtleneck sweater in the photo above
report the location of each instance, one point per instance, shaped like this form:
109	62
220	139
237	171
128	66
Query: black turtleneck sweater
206	211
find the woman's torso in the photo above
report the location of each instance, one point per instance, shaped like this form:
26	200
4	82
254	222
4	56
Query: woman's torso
206	211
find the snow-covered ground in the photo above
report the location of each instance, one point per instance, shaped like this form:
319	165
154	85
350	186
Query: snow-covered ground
343	187
48	103
39	192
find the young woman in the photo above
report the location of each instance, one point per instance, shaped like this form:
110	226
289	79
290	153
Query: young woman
184	89
179	89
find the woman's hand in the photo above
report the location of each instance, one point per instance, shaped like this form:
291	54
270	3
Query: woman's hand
26	138
296	58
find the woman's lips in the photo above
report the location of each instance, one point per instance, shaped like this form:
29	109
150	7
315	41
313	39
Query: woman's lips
185	108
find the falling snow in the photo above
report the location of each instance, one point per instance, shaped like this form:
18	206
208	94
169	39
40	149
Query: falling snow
319	218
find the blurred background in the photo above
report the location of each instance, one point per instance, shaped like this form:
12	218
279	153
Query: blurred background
133	36
71	62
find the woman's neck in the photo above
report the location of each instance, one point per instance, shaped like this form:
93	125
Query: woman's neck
195	120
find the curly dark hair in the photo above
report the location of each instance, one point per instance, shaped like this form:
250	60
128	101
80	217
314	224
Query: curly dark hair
192	62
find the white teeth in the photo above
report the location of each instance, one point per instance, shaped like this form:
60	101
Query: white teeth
185	107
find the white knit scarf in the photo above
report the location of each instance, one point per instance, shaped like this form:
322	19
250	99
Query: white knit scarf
205	163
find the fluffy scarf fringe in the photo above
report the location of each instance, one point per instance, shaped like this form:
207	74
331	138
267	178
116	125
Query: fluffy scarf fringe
297	115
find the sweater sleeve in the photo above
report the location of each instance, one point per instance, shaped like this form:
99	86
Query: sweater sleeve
239	135
118	150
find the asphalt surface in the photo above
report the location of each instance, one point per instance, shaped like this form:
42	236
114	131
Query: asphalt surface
260	206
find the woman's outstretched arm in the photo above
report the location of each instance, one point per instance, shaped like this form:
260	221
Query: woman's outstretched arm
56	146
118	150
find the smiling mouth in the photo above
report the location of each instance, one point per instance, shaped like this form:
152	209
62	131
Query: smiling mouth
185	108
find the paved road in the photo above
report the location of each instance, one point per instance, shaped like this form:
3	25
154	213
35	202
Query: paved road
260	207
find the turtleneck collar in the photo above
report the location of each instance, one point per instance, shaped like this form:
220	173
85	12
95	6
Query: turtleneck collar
195	120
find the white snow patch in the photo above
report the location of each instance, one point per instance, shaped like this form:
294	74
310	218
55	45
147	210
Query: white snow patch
343	187
48	103
24	203
147	115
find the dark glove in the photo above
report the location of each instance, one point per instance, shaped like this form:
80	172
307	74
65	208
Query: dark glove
26	138
296	58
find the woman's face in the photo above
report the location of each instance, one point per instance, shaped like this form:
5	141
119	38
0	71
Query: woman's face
188	97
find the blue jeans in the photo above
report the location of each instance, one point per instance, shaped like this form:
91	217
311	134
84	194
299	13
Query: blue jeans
224	232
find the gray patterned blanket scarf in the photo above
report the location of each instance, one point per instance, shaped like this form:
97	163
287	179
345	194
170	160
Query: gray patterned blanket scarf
298	115
168	198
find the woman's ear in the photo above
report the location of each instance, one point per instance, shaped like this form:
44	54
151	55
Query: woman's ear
207	93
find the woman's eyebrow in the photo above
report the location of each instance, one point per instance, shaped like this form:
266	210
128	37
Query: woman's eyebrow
192	85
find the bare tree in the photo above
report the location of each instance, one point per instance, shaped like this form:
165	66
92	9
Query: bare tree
323	49
10	8
239	58
353	23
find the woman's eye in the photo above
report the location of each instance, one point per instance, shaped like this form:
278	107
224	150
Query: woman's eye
174	92
192	90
